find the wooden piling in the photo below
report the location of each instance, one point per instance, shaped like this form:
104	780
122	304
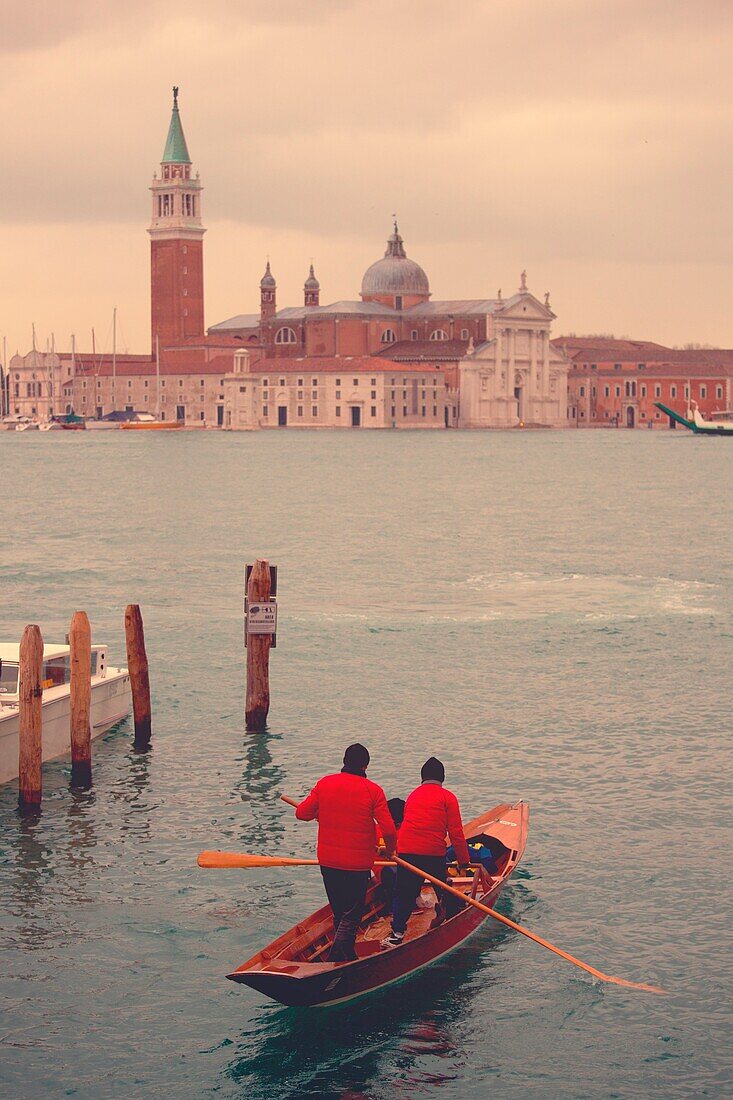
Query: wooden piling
31	720
258	654
80	642
137	664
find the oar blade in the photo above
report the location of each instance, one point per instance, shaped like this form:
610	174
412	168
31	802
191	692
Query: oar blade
636	985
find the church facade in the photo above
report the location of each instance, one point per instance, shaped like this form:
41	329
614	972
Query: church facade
474	363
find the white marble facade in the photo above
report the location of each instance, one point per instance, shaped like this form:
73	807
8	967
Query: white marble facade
515	378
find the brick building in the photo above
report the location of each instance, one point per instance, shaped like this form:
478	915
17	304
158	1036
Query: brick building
616	383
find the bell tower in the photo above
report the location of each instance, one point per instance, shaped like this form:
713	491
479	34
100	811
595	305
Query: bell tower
176	243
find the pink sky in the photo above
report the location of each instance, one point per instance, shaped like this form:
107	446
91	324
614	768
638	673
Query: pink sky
587	141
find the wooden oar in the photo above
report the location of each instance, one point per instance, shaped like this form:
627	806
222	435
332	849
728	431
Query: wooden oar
243	860
517	927
525	932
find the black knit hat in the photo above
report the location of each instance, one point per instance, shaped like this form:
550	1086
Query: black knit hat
356	758
432	769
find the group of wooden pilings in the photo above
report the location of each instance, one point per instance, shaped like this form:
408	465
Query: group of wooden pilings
257	705
30	750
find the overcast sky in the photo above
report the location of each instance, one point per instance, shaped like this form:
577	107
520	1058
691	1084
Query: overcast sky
588	141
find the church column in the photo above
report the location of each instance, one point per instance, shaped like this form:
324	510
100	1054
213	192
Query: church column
545	363
512	335
499	362
532	363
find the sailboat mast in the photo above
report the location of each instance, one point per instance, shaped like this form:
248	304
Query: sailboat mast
114	356
157	377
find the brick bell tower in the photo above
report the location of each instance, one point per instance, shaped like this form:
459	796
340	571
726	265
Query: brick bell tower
176	243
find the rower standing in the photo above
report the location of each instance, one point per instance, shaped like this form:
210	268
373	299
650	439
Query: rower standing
431	811
347	805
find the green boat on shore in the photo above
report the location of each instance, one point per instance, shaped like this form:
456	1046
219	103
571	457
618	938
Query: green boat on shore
697	423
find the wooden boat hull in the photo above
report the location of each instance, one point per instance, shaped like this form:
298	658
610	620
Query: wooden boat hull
300	983
158	426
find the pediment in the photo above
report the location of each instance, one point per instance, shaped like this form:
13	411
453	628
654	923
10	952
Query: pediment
525	307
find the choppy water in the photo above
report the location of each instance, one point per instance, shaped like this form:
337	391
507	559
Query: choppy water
550	613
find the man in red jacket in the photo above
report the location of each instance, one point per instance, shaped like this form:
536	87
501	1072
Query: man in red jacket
430	812
346	806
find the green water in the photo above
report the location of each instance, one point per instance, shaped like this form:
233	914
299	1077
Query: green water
550	613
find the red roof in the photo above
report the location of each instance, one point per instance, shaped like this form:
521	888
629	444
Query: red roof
425	350
100	366
365	364
658	370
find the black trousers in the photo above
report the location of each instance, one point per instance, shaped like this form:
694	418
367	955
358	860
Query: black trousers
409	885
346	891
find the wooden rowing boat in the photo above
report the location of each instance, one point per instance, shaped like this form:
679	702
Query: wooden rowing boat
292	969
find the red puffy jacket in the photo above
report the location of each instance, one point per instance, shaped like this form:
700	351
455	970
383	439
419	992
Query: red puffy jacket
346	807
430	812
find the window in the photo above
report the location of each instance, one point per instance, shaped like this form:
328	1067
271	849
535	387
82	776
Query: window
413	334
641	366
464	334
202	415
398	301
338	395
300	410
265	395
285	336
657	391
582	391
338	381
242	389
628	389
423	410
315	381
338	410
314	410
300	395
282	381
374	410
388	336
163	383
404	410
606	391
265	382
394	411
264	410
618	391
719	392
373	381
687	392
438	334
672	391
314	395
356	381
435	410
703	391
300	381
374	395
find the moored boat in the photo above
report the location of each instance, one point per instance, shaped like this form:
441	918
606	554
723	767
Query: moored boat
146	421
292	969
110	701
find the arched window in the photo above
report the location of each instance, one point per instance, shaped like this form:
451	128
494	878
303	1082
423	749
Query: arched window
285	336
438	334
388	336
464	334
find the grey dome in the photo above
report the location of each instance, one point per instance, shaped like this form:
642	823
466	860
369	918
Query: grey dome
268	279
394	273
311	283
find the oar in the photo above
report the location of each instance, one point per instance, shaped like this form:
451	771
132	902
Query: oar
517	927
244	860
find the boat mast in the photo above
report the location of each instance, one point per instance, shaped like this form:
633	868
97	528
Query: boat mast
4	380
157	377
114	356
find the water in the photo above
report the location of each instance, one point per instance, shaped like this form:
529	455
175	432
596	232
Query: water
550	613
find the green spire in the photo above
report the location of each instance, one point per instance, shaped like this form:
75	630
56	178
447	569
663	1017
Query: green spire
176	151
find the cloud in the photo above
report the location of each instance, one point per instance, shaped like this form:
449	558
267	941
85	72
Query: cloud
588	133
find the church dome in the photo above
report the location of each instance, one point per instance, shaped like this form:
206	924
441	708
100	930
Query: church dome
394	273
268	279
311	283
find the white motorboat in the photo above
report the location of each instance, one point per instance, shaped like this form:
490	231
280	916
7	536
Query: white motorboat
111	700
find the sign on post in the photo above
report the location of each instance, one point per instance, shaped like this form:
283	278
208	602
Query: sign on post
262	618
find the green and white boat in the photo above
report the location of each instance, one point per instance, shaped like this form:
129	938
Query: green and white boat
720	424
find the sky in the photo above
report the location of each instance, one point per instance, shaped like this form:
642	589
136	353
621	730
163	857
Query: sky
586	141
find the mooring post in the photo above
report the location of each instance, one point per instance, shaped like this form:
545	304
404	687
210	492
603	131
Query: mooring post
137	664
31	720
258	653
80	643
